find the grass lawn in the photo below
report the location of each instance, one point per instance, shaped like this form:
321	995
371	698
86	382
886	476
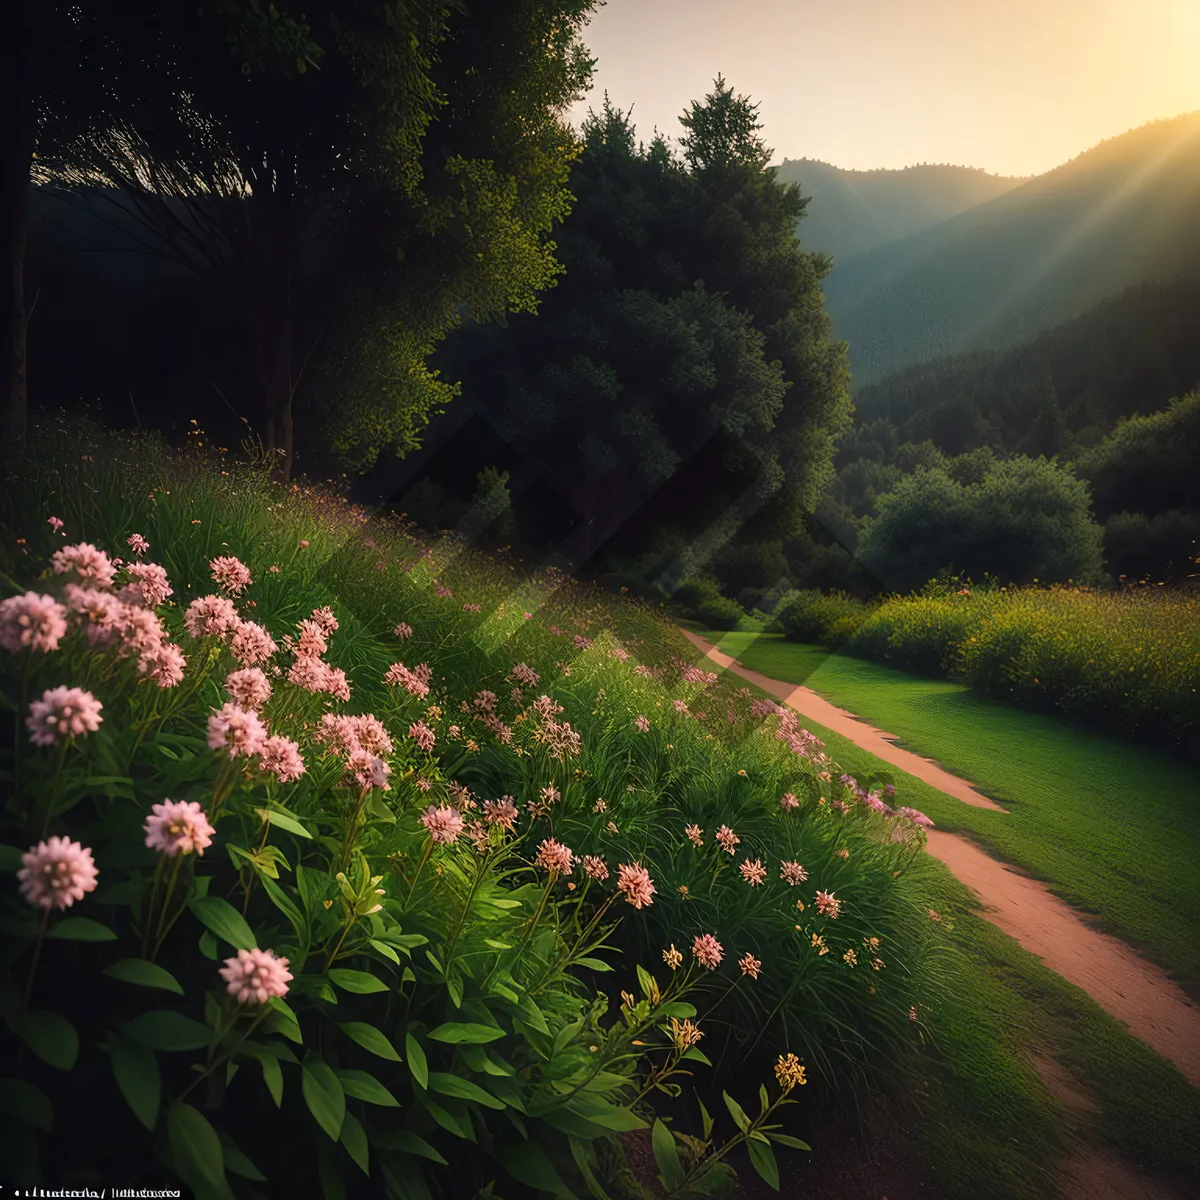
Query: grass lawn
1113	828
989	1127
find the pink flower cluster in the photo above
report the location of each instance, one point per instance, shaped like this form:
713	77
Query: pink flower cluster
553	856
635	882
238	730
443	823
90	565
414	681
230	574
32	622
61	714
178	827
254	976
524	674
55	873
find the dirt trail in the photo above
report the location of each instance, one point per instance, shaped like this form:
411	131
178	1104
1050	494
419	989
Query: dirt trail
806	702
1135	991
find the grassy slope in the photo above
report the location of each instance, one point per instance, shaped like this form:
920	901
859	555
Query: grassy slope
990	1127
1113	828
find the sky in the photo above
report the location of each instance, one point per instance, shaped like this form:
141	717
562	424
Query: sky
1014	86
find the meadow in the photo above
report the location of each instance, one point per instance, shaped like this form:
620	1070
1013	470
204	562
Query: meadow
337	852
1126	659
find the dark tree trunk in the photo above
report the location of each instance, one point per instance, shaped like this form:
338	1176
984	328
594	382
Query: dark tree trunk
16	155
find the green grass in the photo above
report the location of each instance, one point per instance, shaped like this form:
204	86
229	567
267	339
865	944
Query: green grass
988	1125
1112	827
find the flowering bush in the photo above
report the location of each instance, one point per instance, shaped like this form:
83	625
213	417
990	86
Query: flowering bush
379	902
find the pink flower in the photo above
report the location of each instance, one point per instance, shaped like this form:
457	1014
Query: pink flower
524	674
553	856
914	815
303	544
642	724
370	734
582	643
211	616
178	827
681	707
56	873
828	905
164	665
336	683
636	883
137	544
485	701
324	619
230	574
254	976
792	873
403	631
788	800
237	729
442	592
728	839
369	770
280	757
149	585
595	867
91	565
61	714
251	644
32	621
412	683
424	784
444	823
55	523
502	812
422	735
528	615
753	872
695	834
250	688
105	613
707	951
750	965
312	640
311	674
142	632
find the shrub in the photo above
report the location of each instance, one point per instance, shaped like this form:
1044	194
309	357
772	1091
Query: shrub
444	952
920	633
1164	546
816	617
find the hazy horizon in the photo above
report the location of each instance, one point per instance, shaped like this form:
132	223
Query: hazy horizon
1014	88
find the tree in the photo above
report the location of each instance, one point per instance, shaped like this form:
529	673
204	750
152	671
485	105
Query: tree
682	369
293	160
1023	519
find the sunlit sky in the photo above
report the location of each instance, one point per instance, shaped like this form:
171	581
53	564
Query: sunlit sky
1014	86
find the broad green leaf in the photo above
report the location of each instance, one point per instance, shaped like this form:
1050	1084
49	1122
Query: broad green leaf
81	929
678	1009
225	921
21	1101
499	902
611	1116
408	1142
404	1180
166	1030
579	1152
762	1158
283	1021
51	1037
763	1100
144	974
236	1163
528	1163
365	1087
135	1069
593	964
458	1124
646	981
208	945
283	902
282	821
447	1084
386	950
370	1038
666	1155
706	1118
361	982
457	1032
354	1138
786	1139
735	1111
323	1094
416	1060
497	945
693	1054
273	1078
195	1147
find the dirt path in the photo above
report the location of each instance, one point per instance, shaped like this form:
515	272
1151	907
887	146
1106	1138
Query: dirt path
1135	991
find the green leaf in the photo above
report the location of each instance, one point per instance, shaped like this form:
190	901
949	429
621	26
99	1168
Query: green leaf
646	981
370	1038
81	929
365	1087
696	1055
763	1099
416	1060
323	1094
208	945
735	1111
195	1147
458	1124
458	1032
354	1138
611	1116
283	902
506	904
666	1155
386	950
361	982
225	921
236	1163
283	1021
135	1069
166	1030
762	1158
579	1152
283	821
678	1009
51	1037
273	1078
706	1118
408	1142
786	1139
10	859
447	1084
528	1163
21	1101
144	974
593	964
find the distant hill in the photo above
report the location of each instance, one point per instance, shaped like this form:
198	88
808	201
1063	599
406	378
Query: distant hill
852	211
1125	211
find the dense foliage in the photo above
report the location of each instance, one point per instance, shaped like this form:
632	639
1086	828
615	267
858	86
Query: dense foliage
424	807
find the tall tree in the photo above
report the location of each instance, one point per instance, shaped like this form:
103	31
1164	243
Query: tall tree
259	146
